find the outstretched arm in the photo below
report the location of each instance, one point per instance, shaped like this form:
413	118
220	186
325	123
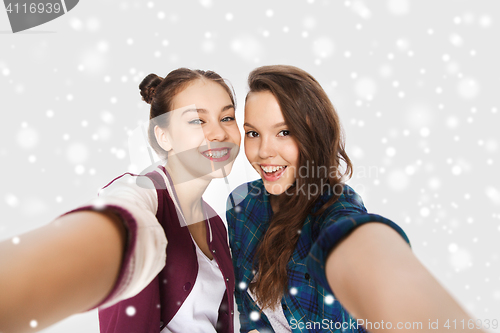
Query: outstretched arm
377	278
63	268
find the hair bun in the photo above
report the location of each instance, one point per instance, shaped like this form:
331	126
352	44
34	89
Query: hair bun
148	87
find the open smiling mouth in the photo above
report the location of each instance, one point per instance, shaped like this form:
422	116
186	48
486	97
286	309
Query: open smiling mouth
272	173
217	155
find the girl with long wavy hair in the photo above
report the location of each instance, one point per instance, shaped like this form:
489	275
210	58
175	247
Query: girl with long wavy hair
307	255
149	252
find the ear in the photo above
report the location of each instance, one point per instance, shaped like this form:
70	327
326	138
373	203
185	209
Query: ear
163	138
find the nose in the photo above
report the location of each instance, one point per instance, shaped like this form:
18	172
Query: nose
215	132
267	148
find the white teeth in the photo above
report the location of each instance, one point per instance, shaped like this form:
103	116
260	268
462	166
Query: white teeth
216	154
272	169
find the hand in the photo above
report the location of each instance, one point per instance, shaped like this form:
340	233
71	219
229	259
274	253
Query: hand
376	277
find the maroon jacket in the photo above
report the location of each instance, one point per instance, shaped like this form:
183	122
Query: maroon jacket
157	304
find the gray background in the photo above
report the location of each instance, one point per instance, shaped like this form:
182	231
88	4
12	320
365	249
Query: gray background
414	82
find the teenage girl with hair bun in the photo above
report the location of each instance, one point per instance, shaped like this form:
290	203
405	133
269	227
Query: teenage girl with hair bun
149	252
307	255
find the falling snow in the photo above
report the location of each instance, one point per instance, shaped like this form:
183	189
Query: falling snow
323	47
254	316
130	311
329	299
413	83
27	138
460	259
493	194
468	88
398	180
398	7
247	47
77	153
11	200
366	88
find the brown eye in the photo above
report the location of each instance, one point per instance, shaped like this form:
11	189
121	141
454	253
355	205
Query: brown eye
284	133
251	134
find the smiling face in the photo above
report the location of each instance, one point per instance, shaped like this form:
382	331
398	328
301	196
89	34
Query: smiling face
202	138
269	146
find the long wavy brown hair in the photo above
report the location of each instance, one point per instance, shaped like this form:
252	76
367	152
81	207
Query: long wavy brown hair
315	126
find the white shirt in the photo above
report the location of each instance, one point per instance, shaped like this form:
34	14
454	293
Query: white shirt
200	309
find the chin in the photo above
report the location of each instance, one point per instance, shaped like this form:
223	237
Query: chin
275	188
219	174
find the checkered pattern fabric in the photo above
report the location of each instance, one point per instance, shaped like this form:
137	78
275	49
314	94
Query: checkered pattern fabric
309	305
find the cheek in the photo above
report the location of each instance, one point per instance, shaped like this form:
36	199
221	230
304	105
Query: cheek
190	138
249	150
292	154
236	135
190	132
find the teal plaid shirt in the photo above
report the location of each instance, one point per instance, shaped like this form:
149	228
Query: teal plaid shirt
310	304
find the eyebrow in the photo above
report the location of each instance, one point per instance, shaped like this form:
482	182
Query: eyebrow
274	126
227	107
